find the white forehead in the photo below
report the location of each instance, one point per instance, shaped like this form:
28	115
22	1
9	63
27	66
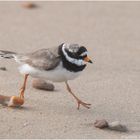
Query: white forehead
84	53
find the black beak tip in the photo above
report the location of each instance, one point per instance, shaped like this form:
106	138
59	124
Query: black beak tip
90	61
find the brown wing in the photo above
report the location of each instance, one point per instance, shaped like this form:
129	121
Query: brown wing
45	59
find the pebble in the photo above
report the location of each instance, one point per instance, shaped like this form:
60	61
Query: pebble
116	125
3	68
101	124
25	124
42	84
29	5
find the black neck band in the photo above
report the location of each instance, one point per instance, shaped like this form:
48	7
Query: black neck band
68	65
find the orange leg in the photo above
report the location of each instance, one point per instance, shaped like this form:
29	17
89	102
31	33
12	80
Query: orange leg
23	87
79	102
14	101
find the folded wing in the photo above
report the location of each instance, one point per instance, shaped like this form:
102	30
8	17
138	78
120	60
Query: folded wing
44	59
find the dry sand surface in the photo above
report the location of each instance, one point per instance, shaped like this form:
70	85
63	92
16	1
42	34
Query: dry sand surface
111	32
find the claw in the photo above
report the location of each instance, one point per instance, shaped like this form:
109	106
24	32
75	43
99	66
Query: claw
86	105
79	102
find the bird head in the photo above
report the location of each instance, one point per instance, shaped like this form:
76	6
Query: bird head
77	52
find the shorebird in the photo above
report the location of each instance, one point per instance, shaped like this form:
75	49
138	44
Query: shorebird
58	64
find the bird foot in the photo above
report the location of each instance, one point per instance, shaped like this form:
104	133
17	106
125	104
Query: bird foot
15	101
86	105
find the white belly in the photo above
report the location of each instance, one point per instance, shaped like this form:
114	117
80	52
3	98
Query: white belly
59	74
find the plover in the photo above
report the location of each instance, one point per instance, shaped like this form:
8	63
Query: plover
58	64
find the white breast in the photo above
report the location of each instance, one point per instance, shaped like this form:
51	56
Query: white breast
59	74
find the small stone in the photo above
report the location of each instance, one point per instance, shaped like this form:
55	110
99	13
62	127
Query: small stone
29	5
117	126
25	124
42	84
101	124
3	68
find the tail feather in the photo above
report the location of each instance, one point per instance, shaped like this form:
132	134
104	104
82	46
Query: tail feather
7	54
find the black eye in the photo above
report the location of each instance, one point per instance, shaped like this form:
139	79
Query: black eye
82	57
81	50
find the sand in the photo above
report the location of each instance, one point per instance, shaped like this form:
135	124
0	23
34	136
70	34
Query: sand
111	33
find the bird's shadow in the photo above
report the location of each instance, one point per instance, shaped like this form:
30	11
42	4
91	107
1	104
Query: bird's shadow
25	108
44	90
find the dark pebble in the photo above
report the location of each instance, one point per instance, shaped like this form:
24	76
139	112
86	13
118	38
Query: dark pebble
42	84
3	68
101	124
29	5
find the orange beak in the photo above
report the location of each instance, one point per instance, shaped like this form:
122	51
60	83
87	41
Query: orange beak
86	59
